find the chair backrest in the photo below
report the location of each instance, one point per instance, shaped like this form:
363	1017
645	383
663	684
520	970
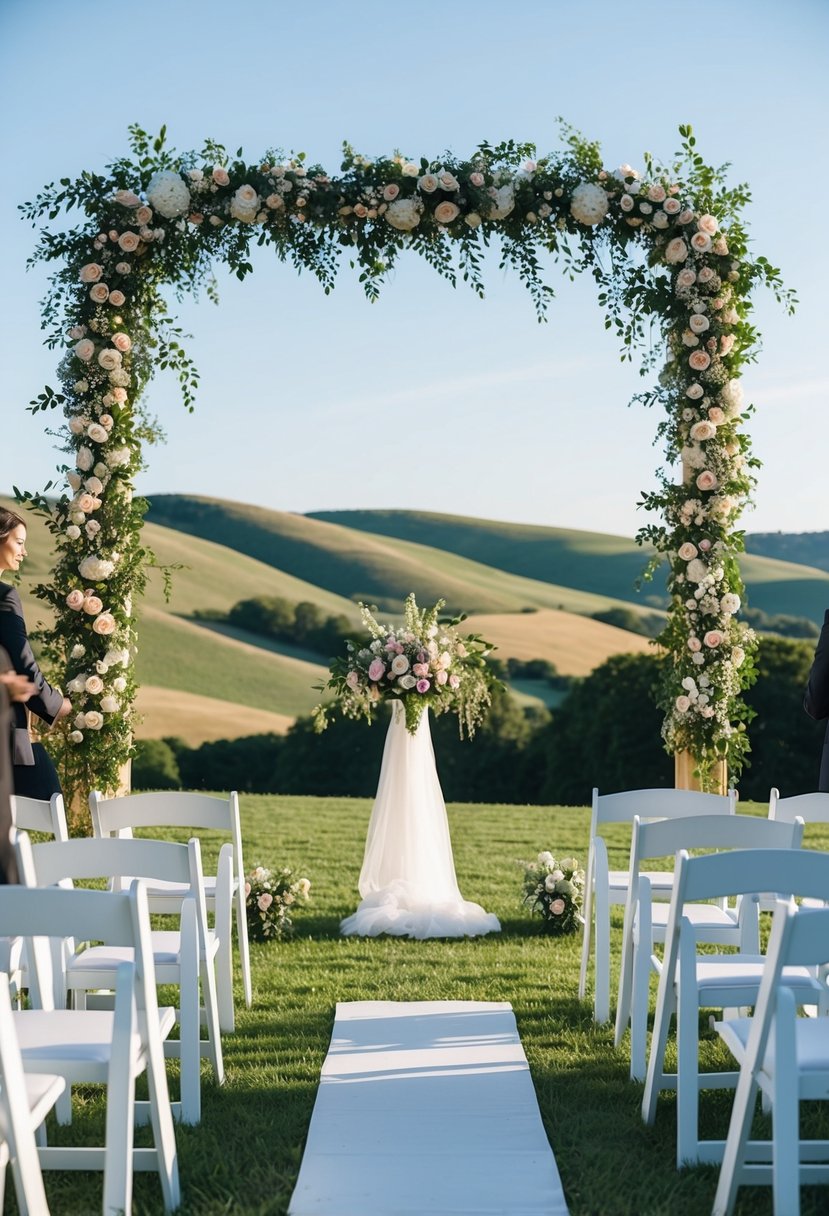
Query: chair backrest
812	808
17	1122
36	815
665	837
170	808
658	804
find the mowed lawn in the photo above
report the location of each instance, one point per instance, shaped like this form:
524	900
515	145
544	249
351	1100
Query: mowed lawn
245	1155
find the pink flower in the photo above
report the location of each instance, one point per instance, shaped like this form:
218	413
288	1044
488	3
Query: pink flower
377	669
707	223
705	545
699	360
454	681
446	212
74	600
220	176
91	273
399	665
247	889
360	210
687	551
701	241
127	198
428	183
420	669
117	298
694	645
353	680
726	344
557	907
656	194
92	605
685	216
264	901
683	703
98	293
85	502
422	686
476	179
716	415
701	431
104	624
714	638
442	677
671	206
143	215
720	246
391	192
676	251
85	349
129	242
706	480
122	342
686	278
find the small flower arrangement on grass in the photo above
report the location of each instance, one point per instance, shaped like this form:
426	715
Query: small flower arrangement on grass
270	898
427	663
555	890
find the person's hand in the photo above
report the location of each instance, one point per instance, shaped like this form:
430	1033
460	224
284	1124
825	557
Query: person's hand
65	709
19	688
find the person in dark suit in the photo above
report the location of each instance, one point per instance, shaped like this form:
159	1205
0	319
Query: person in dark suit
12	688
816	701
33	773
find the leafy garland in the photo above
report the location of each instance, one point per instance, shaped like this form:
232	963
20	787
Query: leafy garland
668	252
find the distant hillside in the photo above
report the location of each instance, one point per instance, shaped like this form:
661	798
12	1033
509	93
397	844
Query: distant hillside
574	644
590	561
805	548
358	565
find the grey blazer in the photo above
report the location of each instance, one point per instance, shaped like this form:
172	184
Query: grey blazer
46	701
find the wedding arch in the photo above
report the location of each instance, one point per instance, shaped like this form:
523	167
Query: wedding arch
669	254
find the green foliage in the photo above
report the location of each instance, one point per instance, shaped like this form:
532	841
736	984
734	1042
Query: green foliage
649	625
154	766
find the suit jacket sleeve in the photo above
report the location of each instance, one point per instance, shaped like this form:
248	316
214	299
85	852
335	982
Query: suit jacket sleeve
816	701
47	700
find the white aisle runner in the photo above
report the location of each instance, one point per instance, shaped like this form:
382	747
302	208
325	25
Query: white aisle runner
426	1108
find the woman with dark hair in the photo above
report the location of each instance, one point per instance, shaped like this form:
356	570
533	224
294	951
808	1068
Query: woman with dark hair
33	773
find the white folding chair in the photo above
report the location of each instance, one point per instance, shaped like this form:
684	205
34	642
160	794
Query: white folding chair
811	808
104	1047
180	956
24	1104
716	924
30	815
690	982
605	887
172	808
787	1058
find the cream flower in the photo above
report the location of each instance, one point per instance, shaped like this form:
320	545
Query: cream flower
676	251
589	204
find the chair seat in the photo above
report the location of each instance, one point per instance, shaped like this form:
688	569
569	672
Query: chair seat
74	1041
662	881
42	1091
811	1043
166	945
158	887
708	916
744	971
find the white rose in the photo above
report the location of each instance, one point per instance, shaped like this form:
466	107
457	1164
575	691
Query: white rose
588	204
730	603
407	681
399	664
96	569
503	202
696	571
85	459
110	705
119	684
76	736
94	720
93	685
109	359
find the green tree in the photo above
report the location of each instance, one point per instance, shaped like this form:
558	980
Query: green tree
154	766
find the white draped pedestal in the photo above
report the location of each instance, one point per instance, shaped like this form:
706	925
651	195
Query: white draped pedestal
426	1108
407	883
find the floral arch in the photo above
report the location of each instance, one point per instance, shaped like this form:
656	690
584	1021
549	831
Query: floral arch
669	255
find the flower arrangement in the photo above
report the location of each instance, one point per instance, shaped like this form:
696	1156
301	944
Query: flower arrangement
666	247
426	663
270	899
555	890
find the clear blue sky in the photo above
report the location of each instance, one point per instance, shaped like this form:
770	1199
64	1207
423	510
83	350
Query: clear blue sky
431	398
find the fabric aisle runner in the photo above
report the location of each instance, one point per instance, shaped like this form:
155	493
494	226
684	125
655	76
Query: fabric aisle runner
426	1108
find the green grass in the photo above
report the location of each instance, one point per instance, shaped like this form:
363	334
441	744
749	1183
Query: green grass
245	1155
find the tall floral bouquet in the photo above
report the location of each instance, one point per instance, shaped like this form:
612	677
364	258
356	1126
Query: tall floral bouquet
427	663
555	890
270	897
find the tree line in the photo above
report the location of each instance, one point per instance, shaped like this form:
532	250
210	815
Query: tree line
605	733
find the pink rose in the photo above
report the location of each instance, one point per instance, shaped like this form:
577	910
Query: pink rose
420	669
116	298
686	278
376	670
143	216
714	638
446	212
705	545
701	242
422	686
687	551
129	242
701	431
391	192
428	183
727	344
626	202
454	681
442	677
264	901
477	180
220	176
360	210
706	480
716	415
671	206
122	268
694	391
557	907
694	645
91	273
85	349
105	624
683	704
85	502
127	198
353	680
76	332
99	293
74	600
699	360
685	216
122	342
707	223
92	605
657	194
676	251
720	246
699	322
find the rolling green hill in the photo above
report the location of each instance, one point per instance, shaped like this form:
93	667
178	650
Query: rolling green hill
589	561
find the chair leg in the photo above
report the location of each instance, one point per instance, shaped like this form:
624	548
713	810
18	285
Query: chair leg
640	1001
224	986
687	1050
120	1109
214	1031
601	994
63	1107
785	1112
588	926
244	948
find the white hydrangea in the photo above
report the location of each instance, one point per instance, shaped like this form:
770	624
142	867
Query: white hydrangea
404	214
167	194
503	202
588	204
96	569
